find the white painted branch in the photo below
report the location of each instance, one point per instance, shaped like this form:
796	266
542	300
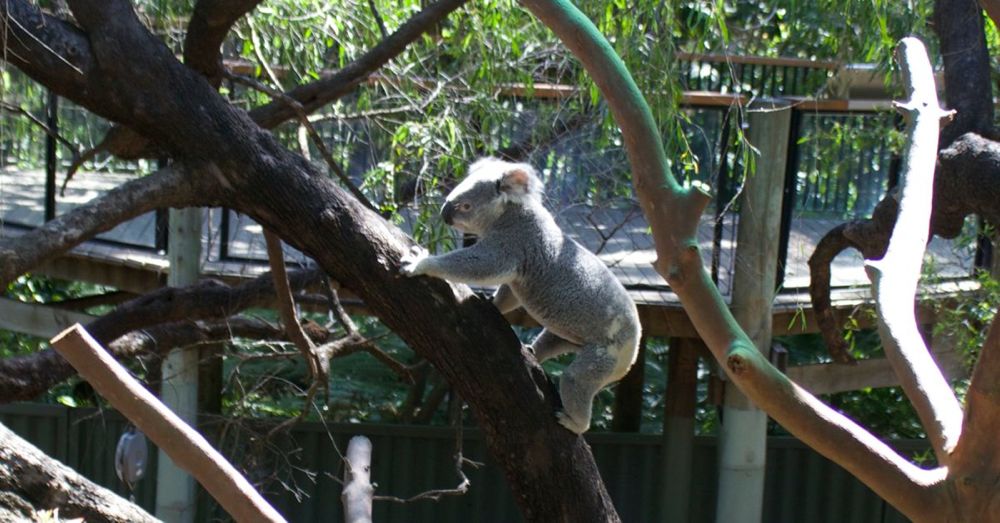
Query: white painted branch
184	445
895	276
358	491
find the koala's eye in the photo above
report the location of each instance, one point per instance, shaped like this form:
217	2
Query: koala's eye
465	206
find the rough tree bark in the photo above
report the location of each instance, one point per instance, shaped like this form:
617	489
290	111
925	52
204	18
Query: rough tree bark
132	78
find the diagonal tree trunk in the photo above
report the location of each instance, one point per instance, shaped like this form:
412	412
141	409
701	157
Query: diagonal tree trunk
134	79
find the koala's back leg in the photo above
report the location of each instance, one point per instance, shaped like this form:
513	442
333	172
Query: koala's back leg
547	345
592	369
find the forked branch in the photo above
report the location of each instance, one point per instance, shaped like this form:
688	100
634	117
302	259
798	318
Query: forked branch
673	214
895	276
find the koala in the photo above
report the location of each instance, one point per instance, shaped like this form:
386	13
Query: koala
583	308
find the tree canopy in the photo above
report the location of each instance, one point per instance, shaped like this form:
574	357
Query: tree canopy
397	97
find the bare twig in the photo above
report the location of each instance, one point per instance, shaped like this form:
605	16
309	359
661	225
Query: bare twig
614	230
78	161
377	113
337	308
303	119
286	306
378	19
16	109
318	365
460	462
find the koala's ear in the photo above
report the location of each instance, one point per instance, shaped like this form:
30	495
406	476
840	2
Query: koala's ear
516	181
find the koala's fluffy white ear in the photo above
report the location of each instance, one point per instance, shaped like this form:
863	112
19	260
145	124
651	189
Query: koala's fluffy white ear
515	180
519	180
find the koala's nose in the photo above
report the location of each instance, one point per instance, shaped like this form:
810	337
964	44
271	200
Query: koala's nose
447	212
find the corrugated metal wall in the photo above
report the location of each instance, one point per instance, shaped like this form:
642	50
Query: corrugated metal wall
801	487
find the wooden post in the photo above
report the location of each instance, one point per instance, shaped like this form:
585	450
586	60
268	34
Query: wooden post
175	492
678	427
743	439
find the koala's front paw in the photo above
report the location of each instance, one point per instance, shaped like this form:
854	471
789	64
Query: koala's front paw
566	421
409	264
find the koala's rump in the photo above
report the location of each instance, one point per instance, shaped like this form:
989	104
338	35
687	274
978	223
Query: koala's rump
574	295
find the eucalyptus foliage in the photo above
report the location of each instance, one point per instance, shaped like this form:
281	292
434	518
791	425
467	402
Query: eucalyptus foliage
467	89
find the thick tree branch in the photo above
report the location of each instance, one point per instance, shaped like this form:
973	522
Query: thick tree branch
966	183
25	377
165	188
868	236
895	276
210	22
459	333
161	339
54	53
673	214
967	84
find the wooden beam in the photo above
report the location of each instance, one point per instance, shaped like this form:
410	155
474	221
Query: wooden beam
112	274
777	61
36	319
829	378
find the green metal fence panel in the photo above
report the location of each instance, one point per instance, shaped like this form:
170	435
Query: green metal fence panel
92	440
45	426
300	471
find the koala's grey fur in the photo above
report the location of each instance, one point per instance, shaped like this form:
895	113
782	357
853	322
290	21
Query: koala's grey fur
565	287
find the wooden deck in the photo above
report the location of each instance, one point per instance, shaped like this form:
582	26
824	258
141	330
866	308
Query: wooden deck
126	257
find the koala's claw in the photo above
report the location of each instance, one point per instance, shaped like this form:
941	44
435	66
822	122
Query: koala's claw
409	263
566	421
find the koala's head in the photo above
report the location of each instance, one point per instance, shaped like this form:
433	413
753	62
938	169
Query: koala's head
486	192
